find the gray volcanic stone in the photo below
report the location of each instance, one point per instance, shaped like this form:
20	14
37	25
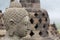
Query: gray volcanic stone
15	3
16	21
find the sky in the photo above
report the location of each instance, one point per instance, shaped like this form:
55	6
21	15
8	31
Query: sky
4	4
52	7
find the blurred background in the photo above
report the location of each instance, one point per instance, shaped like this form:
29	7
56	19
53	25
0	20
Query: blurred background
52	6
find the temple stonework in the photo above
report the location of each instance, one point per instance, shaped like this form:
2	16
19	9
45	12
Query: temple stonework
26	20
31	5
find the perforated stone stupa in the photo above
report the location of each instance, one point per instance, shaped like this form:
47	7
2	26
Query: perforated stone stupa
26	20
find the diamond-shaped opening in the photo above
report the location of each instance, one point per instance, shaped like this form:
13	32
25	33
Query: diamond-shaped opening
32	21
44	26
43	14
36	14
45	19
40	33
40	20
31	33
36	26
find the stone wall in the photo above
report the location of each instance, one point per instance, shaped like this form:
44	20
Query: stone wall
31	4
25	20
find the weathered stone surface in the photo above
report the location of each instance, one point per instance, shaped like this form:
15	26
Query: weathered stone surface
52	30
14	4
31	5
16	21
23	25
6	37
39	20
2	26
